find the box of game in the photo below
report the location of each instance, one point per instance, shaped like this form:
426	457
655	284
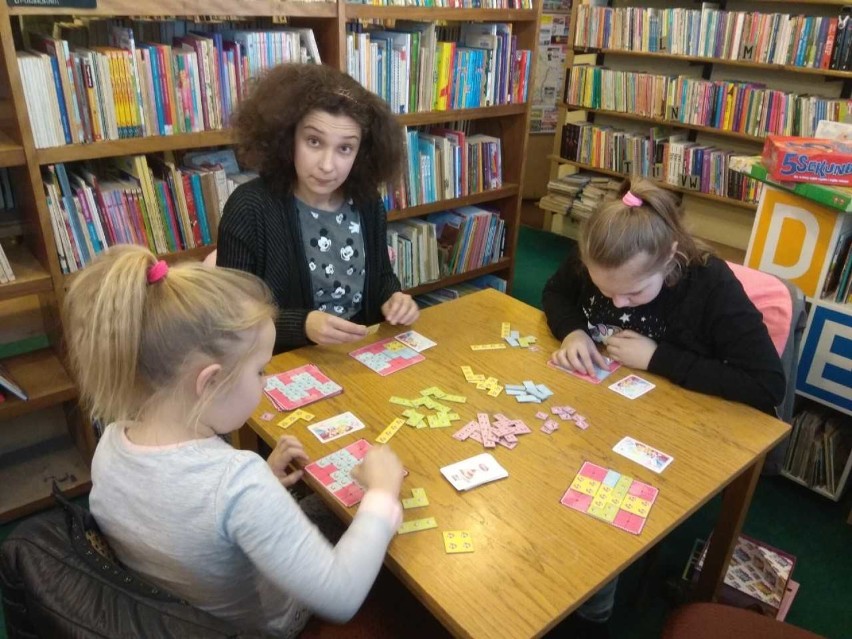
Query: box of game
815	160
759	577
836	197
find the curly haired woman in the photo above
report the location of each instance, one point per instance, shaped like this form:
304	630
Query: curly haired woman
312	226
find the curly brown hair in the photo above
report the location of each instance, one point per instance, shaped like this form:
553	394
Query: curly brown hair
267	120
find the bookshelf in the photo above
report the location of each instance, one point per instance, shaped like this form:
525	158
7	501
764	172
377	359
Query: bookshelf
713	216
36	263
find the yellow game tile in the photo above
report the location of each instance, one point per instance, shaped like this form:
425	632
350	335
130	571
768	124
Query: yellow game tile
401	401
457	541
416	525
494	392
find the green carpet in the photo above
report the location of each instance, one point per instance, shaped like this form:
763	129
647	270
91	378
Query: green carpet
783	514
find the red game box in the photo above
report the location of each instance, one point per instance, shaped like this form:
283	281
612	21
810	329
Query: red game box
821	161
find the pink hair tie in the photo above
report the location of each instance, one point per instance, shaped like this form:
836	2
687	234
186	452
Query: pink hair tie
631	200
157	272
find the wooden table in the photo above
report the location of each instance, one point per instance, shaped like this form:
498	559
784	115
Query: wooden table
535	560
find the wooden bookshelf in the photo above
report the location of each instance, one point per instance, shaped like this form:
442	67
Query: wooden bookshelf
502	265
183	8
429	14
11	153
453	115
43	378
828	73
672	123
31	277
670	187
508	190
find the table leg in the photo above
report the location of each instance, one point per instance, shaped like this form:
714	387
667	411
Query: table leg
736	500
245	439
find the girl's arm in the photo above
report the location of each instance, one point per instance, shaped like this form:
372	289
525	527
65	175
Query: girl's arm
745	366
561	299
260	517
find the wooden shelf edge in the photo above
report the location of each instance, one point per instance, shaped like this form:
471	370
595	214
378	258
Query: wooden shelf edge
672	123
30	277
179	8
439	13
507	190
501	265
480	113
670	187
11	153
834	73
29	370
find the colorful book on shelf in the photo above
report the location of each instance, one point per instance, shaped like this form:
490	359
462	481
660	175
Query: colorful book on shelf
835	197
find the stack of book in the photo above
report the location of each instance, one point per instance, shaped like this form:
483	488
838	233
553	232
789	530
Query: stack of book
838	279
819	450
819	42
578	195
6	273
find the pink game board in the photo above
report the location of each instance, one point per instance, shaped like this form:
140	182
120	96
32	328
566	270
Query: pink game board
333	472
299	387
387	356
615	498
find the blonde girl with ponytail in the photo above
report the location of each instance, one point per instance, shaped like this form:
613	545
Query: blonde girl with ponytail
172	358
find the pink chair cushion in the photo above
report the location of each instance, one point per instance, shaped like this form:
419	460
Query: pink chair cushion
712	621
772	298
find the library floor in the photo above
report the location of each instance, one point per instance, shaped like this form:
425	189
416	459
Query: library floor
783	514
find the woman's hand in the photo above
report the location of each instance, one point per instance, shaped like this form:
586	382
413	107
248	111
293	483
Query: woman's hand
324	328
287	450
400	309
578	353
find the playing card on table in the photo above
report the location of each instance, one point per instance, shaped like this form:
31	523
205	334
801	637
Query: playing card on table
600	373
632	386
643	454
336	427
415	340
473	472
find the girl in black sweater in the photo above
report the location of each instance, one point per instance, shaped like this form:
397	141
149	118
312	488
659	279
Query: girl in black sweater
660	302
312	226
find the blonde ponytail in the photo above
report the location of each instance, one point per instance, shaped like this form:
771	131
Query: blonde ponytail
128	339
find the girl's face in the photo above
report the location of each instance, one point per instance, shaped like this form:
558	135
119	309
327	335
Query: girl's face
326	147
631	284
230	410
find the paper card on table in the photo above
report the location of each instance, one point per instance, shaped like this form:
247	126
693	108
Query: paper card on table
457	541
632	386
416	525
387	356
298	387
643	454
415	341
473	472
334	472
610	496
335	427
600	373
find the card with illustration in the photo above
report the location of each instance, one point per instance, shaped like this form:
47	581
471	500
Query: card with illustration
387	356
600	373
473	472
610	496
415	340
336	427
643	454
632	386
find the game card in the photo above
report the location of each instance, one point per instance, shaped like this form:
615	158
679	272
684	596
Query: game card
415	340
387	356
334	472
632	386
473	472
644	455
600	373
299	387
336	427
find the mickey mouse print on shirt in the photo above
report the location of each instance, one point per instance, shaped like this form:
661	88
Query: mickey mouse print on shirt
334	250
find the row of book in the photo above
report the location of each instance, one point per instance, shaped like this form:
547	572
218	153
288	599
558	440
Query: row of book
147	200
838	278
661	156
450	4
454	292
443	164
8	215
446	243
578	195
820	449
7	198
819	42
118	90
6	273
742	107
424	67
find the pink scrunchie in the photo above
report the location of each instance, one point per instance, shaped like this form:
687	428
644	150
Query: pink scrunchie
631	200
157	272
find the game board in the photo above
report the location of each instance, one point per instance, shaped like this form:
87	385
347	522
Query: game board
333	472
387	356
615	498
299	387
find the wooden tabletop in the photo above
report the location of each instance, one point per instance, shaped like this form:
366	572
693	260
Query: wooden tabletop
535	560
